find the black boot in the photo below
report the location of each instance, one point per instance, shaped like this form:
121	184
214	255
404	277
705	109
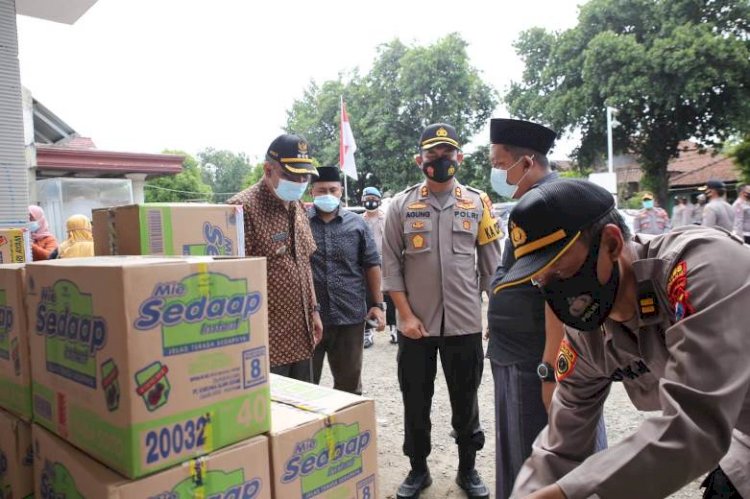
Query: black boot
472	483
417	480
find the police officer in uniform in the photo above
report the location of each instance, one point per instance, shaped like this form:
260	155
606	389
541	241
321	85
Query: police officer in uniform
664	315
440	249
651	219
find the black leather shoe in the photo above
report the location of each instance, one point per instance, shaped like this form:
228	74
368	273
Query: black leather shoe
472	484
415	482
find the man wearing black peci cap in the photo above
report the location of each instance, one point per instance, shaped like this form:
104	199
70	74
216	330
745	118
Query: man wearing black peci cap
276	227
665	315
440	247
516	318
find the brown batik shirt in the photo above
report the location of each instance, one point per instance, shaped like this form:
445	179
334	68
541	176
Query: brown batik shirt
284	238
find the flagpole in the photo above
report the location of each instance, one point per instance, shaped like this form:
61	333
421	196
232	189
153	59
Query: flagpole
346	194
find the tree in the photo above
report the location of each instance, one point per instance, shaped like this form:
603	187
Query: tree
406	89
224	171
675	69
475	171
185	186
740	154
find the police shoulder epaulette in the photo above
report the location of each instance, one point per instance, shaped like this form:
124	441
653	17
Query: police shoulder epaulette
409	189
474	190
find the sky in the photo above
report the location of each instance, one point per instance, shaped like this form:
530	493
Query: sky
149	75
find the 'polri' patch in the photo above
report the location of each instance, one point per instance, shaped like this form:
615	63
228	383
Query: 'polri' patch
566	360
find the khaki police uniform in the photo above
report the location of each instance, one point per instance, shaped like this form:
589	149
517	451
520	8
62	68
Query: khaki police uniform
441	256
651	221
685	353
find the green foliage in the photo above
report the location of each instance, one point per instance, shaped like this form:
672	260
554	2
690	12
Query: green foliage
740	154
185	186
475	171
407	88
254	176
675	69
224	171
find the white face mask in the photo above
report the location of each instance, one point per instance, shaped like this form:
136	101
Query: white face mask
499	180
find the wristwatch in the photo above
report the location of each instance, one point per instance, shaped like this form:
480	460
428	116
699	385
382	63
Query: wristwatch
380	305
545	372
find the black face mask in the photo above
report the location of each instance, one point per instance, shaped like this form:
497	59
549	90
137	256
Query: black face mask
440	169
371	205
581	301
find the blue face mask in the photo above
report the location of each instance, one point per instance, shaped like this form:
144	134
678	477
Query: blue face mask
33	226
648	204
499	181
326	203
290	191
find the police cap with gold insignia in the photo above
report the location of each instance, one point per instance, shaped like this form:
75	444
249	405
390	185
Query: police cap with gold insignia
292	151
520	133
548	220
439	133
328	174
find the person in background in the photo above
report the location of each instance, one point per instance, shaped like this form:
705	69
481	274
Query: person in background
276	227
700	203
717	212
346	266
651	219
440	248
374	216
742	213
43	243
524	337
79	243
681	213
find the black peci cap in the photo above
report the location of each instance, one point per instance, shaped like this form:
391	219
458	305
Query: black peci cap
439	133
292	152
328	174
521	133
548	220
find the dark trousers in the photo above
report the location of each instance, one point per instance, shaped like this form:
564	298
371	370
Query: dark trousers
301	370
462	359
718	486
343	344
519	417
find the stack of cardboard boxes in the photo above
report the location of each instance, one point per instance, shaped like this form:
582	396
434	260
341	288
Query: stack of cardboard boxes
148	378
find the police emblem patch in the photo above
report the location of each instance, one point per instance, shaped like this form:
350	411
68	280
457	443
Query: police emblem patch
677	293
417	225
517	235
424	192
467	225
566	360
417	241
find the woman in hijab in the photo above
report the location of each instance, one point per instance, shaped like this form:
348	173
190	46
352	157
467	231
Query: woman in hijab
79	242
43	243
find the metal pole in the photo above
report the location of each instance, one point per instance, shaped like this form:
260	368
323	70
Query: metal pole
346	193
610	161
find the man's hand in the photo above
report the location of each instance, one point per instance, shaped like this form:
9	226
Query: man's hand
412	327
379	316
317	327
549	492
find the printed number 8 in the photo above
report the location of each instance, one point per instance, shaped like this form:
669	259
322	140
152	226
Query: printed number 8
255	368
366	493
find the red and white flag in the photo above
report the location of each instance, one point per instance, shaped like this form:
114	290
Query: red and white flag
347	145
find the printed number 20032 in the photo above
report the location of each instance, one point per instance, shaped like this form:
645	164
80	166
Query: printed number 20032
173	440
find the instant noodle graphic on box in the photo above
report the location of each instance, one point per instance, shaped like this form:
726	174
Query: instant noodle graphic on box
15	375
240	471
147	362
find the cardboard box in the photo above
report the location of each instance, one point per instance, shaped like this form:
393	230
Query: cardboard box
15	245
169	229
309	424
146	362
16	462
237	472
15	373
